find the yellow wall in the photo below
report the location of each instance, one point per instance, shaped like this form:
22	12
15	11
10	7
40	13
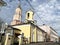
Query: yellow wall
24	29
36	34
31	32
28	31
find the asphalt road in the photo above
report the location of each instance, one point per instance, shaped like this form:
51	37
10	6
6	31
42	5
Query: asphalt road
44	43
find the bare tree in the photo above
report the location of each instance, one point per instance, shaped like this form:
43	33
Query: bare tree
2	3
1	22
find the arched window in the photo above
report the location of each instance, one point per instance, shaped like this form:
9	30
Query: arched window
28	15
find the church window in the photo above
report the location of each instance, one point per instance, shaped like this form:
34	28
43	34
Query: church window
28	15
9	38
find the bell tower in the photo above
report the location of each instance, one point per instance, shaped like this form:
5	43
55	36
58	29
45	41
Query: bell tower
17	16
29	16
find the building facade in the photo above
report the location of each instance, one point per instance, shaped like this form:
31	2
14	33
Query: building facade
51	33
32	32
27	32
10	36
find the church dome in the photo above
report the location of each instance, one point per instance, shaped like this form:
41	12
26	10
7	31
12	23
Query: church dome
18	10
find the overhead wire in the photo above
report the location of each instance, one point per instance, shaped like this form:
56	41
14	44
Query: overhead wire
34	11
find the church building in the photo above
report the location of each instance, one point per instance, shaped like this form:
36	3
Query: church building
19	32
32	33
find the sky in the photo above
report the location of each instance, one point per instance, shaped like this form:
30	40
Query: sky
47	10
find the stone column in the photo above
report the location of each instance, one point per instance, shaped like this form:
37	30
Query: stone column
20	39
6	41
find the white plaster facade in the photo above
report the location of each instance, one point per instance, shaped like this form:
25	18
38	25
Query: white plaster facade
51	32
54	36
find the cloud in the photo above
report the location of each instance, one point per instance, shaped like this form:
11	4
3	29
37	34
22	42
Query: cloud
7	12
49	13
34	0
